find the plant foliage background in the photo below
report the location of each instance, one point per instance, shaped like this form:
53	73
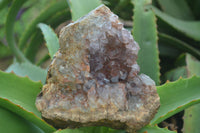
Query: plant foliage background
168	32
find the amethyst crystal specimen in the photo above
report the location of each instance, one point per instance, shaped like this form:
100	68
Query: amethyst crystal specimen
93	81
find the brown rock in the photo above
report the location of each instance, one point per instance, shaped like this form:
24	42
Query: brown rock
93	81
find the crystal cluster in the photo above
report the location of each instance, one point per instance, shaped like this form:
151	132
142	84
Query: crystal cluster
93	79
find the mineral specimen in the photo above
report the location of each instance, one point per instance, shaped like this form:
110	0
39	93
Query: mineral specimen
93	79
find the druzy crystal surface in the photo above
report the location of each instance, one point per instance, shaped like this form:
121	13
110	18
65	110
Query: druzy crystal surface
93	79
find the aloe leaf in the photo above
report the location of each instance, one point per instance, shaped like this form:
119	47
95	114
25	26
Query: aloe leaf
145	34
193	65
69	131
45	58
123	8
192	114
176	96
21	93
166	50
10	21
4	3
33	47
177	8
4	51
26	114
91	130
35	73
79	8
51	39
176	73
189	28
121	5
180	61
194	6
37	38
46	13
18	124
59	18
100	130
154	129
180	45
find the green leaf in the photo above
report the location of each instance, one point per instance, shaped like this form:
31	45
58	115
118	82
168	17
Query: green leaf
21	93
144	32
192	114
176	96
121	6
46	13
37	38
193	65
176	73
3	14
91	130
178	44
79	8
26	114
69	131
35	73
180	61
100	130
177	8
4	3
34	45
45	58
58	18
12	123
189	28
51	39
191	119
167	50
154	129
194	6
10	21
4	51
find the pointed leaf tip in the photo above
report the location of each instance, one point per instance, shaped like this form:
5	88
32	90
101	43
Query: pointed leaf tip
50	38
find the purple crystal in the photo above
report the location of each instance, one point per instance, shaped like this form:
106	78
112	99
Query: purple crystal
93	79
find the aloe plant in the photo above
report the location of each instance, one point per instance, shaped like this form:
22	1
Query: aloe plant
165	31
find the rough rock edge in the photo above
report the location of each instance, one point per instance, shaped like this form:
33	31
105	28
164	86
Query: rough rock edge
51	115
